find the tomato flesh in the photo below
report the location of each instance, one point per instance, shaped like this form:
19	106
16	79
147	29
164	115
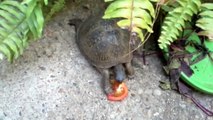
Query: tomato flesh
120	92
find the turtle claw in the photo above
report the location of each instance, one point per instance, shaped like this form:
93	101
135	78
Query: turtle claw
131	77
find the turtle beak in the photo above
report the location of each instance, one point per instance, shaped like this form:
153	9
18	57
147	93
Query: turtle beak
120	78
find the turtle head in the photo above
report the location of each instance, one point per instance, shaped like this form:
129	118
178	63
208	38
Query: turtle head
119	73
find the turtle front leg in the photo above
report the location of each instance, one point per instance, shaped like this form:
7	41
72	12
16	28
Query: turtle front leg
130	70
106	80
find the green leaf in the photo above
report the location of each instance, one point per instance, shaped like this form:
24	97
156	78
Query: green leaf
12	45
14	4
208	6
108	0
136	15
6	52
18	43
141	13
31	4
176	19
18	21
46	2
139	32
39	20
206	13
118	13
145	4
35	22
118	4
13	11
155	0
206	19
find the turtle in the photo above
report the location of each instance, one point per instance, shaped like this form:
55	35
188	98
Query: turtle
106	46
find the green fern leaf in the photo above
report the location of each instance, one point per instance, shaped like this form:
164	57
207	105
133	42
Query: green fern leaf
30	6
176	19
57	6
35	22
206	14
4	49
17	21
206	20
8	45
137	15
108	0
208	6
45	2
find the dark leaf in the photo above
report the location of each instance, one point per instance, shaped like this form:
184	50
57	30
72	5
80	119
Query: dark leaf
187	91
186	68
174	78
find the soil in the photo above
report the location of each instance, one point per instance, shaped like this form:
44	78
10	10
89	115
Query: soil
53	81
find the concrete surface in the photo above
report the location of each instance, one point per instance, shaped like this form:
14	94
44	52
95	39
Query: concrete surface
53	81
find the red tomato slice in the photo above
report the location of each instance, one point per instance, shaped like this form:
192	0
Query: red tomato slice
120	91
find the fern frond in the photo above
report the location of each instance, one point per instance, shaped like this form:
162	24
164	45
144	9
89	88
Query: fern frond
18	21
137	15
176	19
57	6
205	22
45	2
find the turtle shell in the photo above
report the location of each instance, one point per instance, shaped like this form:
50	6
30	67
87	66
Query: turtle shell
103	43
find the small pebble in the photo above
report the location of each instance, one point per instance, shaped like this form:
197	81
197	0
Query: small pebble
136	118
148	92
182	105
140	91
149	114
42	68
1	113
156	114
157	92
209	118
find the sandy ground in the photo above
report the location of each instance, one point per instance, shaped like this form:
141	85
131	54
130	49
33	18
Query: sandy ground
53	81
